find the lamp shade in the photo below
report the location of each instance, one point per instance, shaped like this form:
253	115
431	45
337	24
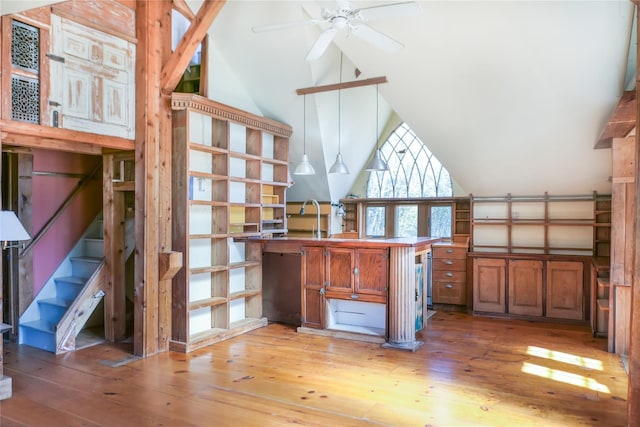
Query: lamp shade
339	166
304	167
11	230
377	163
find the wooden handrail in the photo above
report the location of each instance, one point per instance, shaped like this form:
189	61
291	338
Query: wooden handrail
83	181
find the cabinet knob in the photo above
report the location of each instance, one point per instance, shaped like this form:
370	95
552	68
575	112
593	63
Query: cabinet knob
448	286
448	274
356	271
448	262
449	251
354	296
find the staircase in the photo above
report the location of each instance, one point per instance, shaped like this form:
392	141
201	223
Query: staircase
62	307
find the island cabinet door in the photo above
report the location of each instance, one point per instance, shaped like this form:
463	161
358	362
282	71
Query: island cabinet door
313	287
340	271
371	274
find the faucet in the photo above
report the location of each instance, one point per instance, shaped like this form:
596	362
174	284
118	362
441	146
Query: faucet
315	202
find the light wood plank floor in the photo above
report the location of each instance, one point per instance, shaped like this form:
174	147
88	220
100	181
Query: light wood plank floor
472	371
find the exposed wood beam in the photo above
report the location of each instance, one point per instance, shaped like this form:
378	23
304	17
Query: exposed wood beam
184	9
621	122
152	20
633	390
345	85
174	68
32	135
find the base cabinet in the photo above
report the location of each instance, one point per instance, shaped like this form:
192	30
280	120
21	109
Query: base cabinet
449	275
565	290
489	277
525	287
529	287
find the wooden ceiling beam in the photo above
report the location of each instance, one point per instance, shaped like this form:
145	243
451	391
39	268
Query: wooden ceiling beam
174	68
14	133
621	122
339	86
184	9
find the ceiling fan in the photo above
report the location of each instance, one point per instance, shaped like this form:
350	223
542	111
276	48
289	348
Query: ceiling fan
353	20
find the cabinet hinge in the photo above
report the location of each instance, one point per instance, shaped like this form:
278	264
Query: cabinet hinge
56	58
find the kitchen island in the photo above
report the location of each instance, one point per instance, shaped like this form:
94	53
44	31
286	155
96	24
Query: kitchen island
354	288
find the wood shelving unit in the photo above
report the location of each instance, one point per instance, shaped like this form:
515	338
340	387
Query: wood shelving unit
574	225
230	172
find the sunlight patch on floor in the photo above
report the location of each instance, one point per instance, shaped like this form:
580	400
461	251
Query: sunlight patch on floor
559	356
564	377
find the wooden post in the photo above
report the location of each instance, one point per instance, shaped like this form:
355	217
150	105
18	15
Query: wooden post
113	216
152	20
633	398
402	306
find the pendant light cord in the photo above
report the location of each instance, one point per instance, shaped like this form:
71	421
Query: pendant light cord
377	113
339	103
304	125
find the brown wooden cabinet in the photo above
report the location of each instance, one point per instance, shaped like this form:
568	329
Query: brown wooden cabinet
357	274
489	276
313	279
449	273
565	290
525	287
539	287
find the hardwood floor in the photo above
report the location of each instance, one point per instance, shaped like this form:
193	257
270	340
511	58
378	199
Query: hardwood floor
472	371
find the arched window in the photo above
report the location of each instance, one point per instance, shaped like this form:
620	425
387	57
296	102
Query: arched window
413	170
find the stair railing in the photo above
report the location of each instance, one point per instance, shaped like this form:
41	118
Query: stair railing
83	181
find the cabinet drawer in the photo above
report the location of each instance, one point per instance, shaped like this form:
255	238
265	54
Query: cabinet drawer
450	252
450	264
448	292
449	276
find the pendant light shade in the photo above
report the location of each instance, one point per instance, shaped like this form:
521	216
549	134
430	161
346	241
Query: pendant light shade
377	163
339	166
304	167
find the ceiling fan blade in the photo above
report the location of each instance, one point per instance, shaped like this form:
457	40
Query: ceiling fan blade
284	26
389	10
376	38
323	42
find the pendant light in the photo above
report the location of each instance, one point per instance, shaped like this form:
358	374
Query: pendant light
339	166
377	163
305	167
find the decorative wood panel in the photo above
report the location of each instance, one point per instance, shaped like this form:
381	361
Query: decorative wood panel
94	82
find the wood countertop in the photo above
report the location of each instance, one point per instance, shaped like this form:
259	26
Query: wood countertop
289	244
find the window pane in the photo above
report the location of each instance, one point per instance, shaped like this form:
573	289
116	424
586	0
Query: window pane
406	221
375	221
440	221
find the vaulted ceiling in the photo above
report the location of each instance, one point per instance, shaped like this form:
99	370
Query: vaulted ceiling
510	96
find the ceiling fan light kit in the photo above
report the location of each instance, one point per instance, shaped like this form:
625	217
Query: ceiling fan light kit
352	20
